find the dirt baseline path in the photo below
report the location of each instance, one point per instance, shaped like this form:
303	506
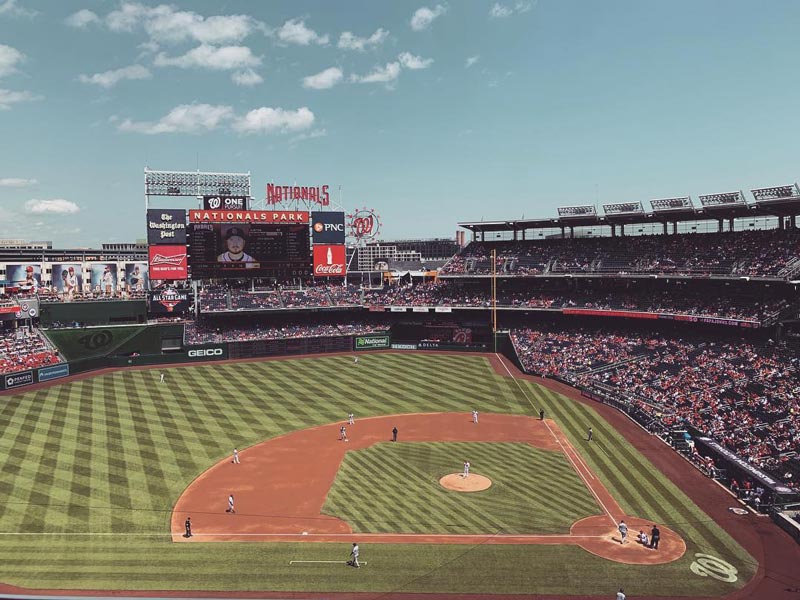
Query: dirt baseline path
281	485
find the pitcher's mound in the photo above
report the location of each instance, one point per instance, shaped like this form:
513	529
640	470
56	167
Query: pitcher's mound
459	483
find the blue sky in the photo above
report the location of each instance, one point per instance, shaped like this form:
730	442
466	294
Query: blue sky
429	112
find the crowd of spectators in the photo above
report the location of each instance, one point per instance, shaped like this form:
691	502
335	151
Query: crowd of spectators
22	349
747	397
209	333
742	253
453	294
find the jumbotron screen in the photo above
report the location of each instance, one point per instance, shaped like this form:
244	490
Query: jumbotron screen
248	250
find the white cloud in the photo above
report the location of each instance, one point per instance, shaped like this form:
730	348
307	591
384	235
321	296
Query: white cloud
202	118
225	58
9	59
10	7
349	41
9	97
109	79
82	19
165	24
424	16
274	120
501	11
317	133
409	61
247	78
294	31
324	79
57	206
387	75
471	61
186	118
16	182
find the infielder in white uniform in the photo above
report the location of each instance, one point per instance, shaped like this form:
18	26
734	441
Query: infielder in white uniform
351	419
474	416
466	469
230	505
235	456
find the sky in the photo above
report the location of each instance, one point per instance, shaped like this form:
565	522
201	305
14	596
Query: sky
430	112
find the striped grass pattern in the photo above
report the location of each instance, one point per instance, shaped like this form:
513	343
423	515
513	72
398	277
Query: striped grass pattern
111	454
533	490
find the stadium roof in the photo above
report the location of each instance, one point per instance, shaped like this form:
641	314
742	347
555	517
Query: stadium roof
764	206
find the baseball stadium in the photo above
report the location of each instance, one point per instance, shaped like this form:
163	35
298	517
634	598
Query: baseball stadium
547	416
399	301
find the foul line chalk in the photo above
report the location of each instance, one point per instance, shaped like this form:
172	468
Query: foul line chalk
329	562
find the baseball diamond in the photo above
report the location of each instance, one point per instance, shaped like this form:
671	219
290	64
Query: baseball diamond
103	470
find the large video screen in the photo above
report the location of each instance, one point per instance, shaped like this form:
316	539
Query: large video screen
247	250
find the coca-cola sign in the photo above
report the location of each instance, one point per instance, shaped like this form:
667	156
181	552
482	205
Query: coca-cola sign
329	261
364	224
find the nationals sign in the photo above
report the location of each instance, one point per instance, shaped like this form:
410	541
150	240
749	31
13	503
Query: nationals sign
329	261
168	262
365	224
248	216
281	193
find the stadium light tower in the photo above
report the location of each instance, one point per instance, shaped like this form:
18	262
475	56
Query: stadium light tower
195	184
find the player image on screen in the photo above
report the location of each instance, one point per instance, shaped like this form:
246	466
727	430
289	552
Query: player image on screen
235	242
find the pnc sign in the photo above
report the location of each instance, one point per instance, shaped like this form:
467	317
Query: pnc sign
328	227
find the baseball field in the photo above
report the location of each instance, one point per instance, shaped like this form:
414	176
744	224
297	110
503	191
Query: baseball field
98	474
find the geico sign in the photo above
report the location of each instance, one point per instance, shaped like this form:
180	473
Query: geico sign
205	352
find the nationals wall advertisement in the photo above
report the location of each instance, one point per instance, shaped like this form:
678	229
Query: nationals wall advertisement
104	277
166	226
26	277
67	278
328	227
168	262
136	276
329	261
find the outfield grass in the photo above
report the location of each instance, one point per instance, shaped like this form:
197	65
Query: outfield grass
533	490
110	455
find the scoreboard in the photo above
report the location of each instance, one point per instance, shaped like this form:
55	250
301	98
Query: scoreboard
249	250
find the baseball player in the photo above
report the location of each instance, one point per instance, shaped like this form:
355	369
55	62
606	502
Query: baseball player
589	435
623	532
351	419
230	505
188	526
343	433
354	554
162	378
474	416
621	594
235	456
466	469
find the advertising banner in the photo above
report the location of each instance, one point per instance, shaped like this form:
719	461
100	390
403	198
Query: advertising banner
420	309
443	309
166	226
225	202
404	346
67	278
248	216
15	380
168	262
54	372
25	277
137	277
328	227
329	261
398	309
372	342
104	277
207	352
169	301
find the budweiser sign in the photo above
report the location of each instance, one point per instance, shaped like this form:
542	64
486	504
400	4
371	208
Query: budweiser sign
329	261
281	193
168	262
248	216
